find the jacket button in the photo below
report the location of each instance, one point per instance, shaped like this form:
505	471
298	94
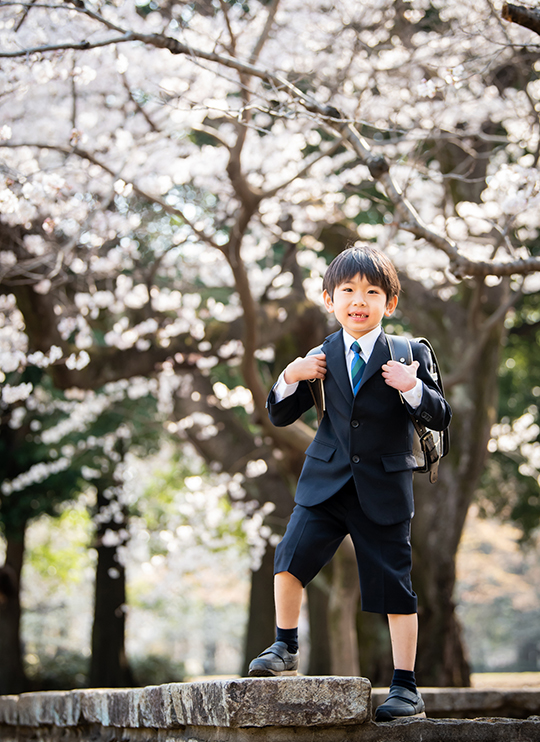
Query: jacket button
355	459
354	423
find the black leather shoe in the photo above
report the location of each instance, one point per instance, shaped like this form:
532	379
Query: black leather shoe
276	660
401	702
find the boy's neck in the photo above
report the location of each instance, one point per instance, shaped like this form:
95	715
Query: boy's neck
367	340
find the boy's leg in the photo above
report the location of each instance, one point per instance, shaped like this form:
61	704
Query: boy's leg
282	657
288	592
311	539
384	565
404	636
404	700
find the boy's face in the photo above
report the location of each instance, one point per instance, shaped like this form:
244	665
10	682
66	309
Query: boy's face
359	306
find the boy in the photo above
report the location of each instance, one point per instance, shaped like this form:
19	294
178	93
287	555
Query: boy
357	476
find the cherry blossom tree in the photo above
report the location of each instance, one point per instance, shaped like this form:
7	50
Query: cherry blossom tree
54	445
176	177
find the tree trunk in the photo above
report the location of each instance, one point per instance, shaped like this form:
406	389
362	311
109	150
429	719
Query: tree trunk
375	648
318	594
467	333
232	448
261	628
441	509
109	667
342	609
436	532
12	675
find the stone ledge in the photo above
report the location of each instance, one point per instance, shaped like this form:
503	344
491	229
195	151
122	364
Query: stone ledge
309	709
414	730
246	702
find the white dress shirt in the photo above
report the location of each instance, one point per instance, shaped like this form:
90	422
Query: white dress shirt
367	342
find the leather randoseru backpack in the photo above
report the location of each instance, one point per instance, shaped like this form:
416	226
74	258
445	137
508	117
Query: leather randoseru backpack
429	446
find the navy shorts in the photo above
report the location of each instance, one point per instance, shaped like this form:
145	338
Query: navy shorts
383	553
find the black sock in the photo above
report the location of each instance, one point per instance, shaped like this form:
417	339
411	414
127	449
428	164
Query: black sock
289	636
405	678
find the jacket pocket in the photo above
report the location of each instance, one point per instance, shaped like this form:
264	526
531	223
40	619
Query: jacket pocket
319	450
398	462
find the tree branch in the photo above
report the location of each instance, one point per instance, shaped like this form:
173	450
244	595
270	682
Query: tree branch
526	17
211	132
81	45
225	11
332	149
257	49
378	166
234	168
476	349
73	95
233	446
137	105
23	15
83	154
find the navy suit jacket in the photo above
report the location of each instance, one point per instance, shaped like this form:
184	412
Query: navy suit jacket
368	437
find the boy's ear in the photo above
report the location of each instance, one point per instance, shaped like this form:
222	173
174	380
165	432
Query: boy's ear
391	307
328	303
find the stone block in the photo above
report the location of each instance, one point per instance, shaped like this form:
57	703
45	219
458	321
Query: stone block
283	702
61	708
245	702
156	707
8	709
111	707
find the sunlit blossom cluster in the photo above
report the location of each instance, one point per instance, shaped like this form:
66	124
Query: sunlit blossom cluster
516	190
37	473
383	67
304	42
520	437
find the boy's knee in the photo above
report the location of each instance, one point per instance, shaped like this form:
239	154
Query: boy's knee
287	577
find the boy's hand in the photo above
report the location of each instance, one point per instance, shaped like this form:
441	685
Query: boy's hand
399	376
302	369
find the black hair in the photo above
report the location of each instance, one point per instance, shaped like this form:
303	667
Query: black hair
366	261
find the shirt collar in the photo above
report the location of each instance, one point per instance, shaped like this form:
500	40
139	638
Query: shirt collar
366	342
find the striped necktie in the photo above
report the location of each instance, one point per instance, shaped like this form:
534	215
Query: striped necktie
357	367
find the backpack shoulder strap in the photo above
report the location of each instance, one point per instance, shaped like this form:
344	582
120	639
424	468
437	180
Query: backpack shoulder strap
316	387
435	374
400	349
433	367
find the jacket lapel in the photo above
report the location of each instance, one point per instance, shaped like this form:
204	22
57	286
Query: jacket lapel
335	360
380	355
337	367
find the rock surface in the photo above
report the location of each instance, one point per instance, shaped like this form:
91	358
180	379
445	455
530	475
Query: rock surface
246	702
311	709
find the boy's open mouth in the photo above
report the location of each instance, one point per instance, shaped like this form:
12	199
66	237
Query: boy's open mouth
357	314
